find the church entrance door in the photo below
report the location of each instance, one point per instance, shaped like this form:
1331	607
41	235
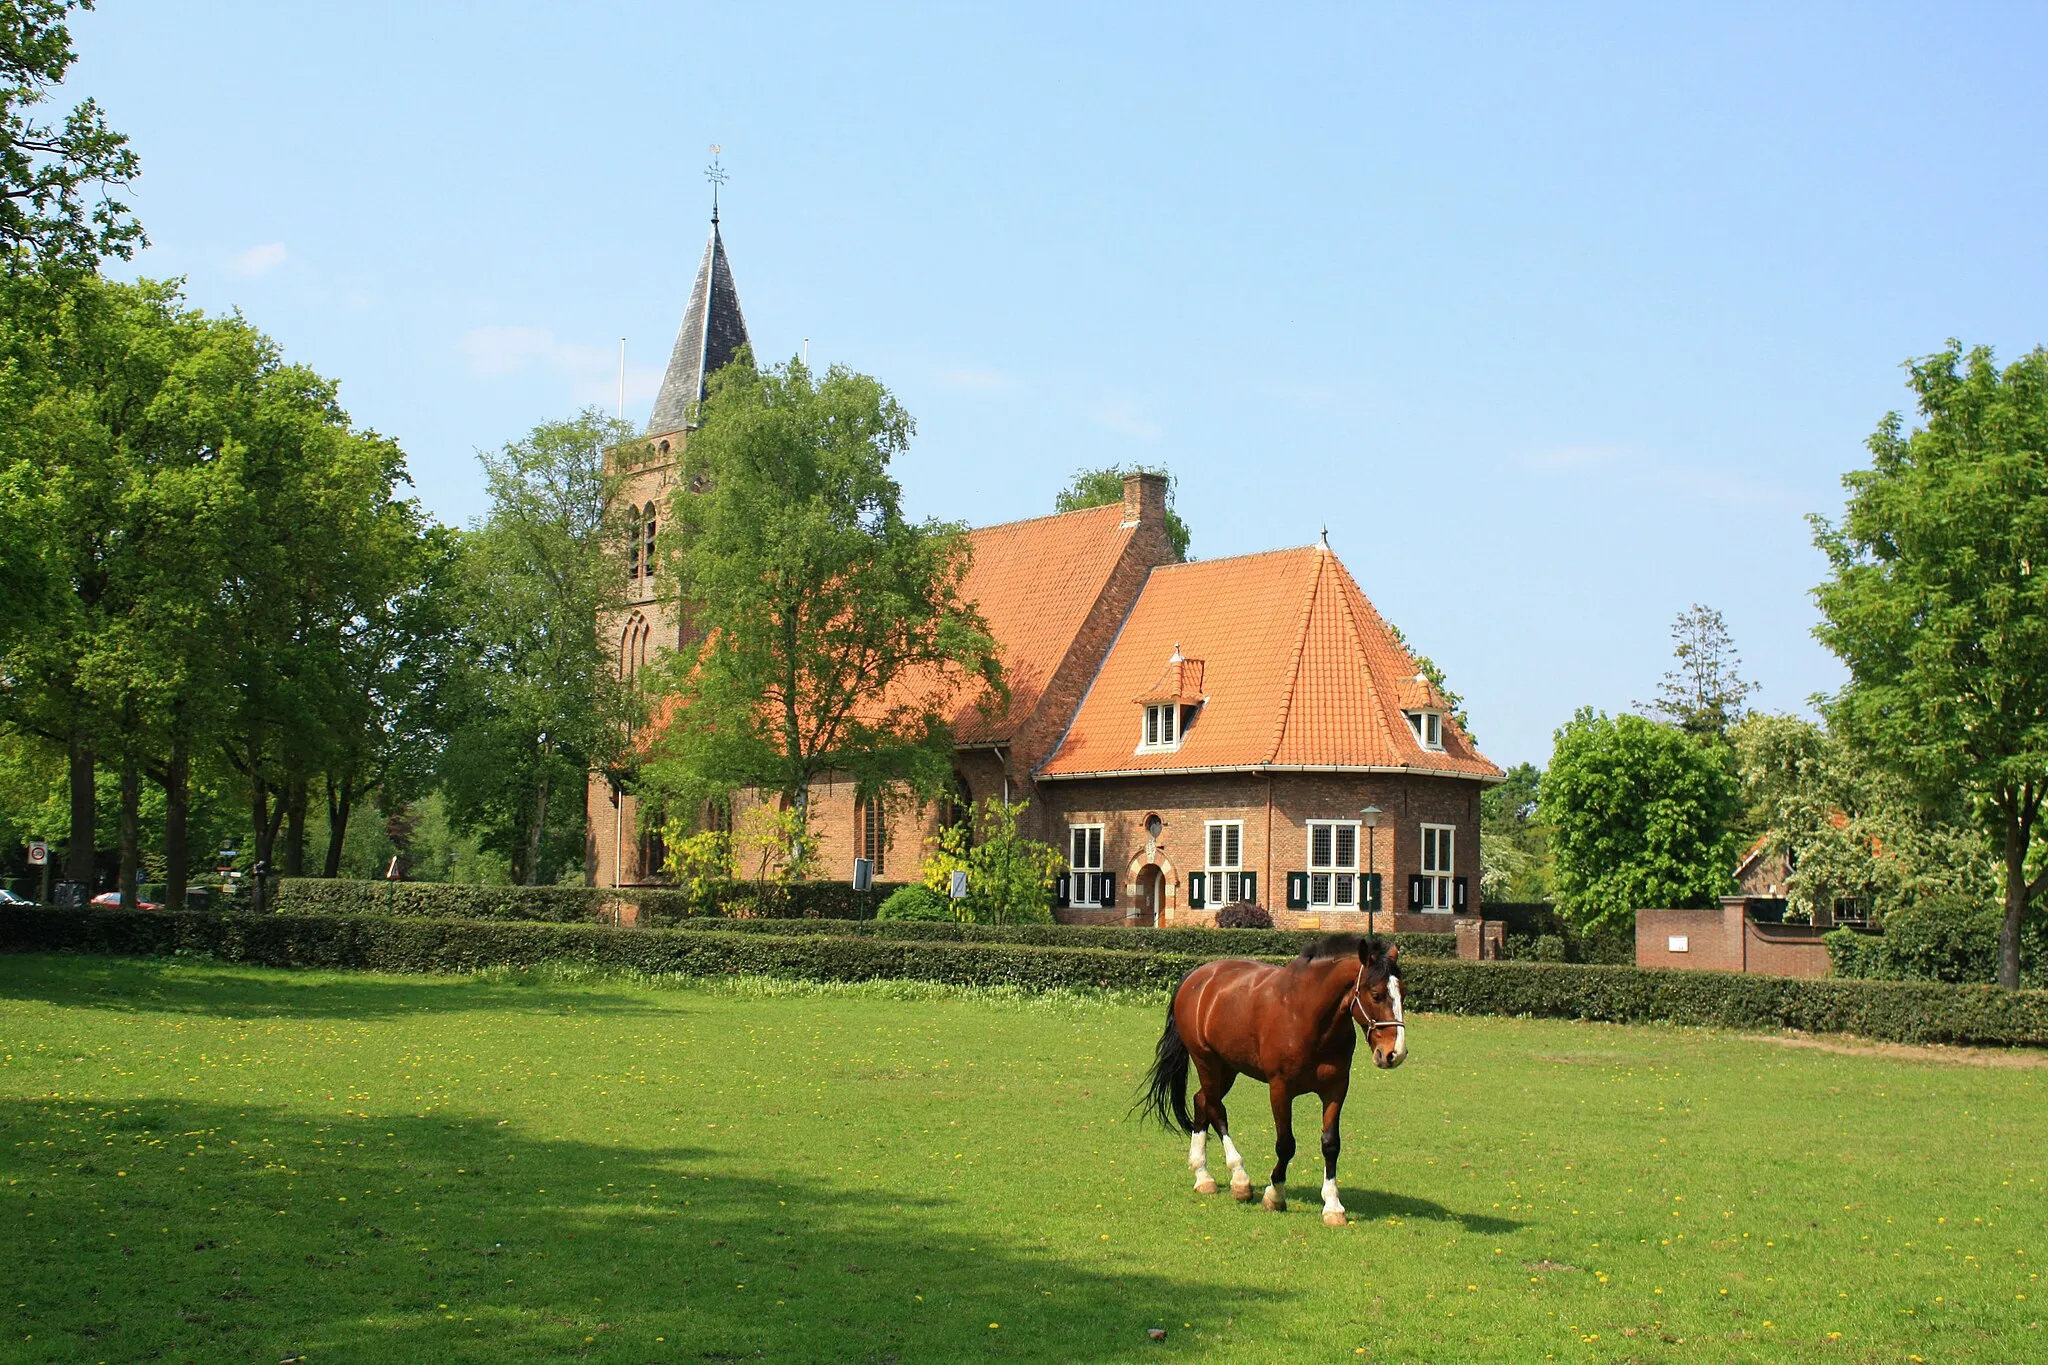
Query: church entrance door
1151	893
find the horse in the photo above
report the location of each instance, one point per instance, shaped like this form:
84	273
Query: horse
1290	1027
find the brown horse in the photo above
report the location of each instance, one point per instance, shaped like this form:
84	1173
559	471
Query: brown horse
1290	1027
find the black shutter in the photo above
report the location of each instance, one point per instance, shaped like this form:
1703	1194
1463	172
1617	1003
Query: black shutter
1251	887
1415	900
1108	890
1060	895
1458	893
1297	891
1196	887
1372	892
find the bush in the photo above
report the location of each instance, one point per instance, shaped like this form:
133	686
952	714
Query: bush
915	902
1201	941
1243	915
573	904
1910	1012
1930	940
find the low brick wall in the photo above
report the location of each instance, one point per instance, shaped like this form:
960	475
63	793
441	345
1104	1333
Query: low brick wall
1725	939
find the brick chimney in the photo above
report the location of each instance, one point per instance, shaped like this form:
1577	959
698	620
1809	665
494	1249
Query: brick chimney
1144	499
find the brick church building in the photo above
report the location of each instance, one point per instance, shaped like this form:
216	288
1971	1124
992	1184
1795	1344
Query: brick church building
1189	734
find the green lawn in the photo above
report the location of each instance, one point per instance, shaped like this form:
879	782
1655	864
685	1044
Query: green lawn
210	1163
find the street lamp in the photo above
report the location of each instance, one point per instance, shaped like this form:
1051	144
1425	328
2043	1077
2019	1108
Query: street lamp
1370	818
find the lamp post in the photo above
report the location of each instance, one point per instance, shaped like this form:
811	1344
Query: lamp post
1370	818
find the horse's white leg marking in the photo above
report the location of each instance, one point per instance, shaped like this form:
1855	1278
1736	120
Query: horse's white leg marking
1333	1207
1198	1158
1400	1023
1238	1179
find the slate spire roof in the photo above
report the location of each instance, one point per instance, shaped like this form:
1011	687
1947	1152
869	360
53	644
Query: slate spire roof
713	331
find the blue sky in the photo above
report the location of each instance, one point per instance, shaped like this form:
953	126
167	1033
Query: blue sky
1562	319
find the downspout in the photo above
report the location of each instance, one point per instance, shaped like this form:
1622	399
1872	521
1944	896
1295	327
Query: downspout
1269	844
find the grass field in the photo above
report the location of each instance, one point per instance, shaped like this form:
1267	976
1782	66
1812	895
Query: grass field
207	1163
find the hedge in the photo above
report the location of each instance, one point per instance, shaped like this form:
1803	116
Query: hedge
570	904
1202	941
1896	1011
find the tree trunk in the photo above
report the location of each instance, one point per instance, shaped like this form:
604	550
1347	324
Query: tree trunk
297	793
131	831
533	834
340	801
78	848
177	810
2018	833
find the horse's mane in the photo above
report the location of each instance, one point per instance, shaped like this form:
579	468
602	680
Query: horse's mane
1346	946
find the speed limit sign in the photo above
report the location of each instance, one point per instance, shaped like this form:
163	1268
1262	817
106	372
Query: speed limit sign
38	853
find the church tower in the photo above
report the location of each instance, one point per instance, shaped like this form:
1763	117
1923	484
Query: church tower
652	621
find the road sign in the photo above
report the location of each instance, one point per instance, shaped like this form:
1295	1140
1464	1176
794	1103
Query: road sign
38	853
959	884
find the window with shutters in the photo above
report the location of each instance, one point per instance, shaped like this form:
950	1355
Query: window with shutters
870	832
1084	861
1333	864
1439	851
1225	864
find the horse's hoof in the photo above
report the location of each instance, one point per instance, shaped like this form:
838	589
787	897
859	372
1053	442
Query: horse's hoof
1241	1193
1333	1218
1274	1200
1205	1186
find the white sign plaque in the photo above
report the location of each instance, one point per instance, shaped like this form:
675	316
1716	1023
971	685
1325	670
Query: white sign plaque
1678	943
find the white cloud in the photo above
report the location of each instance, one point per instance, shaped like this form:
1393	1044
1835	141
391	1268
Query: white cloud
259	260
1123	415
591	372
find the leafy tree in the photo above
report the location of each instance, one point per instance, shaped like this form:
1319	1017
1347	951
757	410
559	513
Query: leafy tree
1704	693
55	206
1514	844
834	636
1936	606
1638	815
1009	877
1454	702
1101	487
540	704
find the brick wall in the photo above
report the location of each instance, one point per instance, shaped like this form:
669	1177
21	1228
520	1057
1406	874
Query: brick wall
1713	938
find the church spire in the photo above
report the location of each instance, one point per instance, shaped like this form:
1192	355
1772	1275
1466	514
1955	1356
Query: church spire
712	333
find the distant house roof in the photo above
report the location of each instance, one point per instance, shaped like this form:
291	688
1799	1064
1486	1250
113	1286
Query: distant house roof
1298	672
712	333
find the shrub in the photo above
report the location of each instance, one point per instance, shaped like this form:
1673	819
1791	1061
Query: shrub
916	902
1904	1011
573	904
1243	915
1009	877
1202	941
1932	939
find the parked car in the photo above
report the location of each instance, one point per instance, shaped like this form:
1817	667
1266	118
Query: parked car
9	898
111	900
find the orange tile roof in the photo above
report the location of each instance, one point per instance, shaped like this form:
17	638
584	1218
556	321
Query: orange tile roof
1300	672
1035	582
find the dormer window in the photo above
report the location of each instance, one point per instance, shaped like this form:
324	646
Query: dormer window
1162	726
1428	727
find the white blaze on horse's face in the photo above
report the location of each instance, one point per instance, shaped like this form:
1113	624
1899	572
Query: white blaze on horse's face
1391	1057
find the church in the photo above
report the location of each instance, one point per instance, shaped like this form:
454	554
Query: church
1190	735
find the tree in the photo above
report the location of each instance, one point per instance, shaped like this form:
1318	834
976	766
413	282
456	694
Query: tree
1514	845
834	635
1454	702
1009	877
1936	606
55	206
540	704
1102	487
1638	815
1704	693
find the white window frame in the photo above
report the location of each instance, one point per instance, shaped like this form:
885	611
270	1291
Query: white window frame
1437	859
1161	730
1335	883
1428	727
1081	878
1223	861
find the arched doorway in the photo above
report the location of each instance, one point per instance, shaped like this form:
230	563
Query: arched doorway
1149	896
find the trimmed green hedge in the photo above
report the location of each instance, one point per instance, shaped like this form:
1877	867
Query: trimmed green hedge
1911	1012
1201	941
571	904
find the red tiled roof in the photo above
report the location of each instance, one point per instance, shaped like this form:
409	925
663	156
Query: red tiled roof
1035	582
1300	672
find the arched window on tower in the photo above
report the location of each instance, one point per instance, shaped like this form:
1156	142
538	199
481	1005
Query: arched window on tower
870	832
633	646
633	556
647	542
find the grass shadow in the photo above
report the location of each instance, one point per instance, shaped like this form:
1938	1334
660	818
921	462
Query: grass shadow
1375	1204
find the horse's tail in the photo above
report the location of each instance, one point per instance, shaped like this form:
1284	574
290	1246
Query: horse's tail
1165	1096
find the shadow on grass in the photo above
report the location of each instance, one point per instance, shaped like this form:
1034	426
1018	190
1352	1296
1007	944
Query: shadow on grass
198	986
1373	1204
165	1229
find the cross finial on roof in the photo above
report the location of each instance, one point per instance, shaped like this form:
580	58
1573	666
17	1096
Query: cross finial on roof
714	173
1324	544
1178	657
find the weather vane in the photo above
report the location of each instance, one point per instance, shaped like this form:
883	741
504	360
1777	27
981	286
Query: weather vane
714	173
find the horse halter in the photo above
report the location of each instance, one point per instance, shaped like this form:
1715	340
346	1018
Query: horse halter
1356	1006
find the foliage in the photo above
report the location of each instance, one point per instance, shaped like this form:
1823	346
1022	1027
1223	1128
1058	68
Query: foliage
1514	844
541	703
835	638
1935	605
798	903
1244	915
1105	487
1009	877
700	860
1704	692
1428	668
1849	828
56	210
916	902
1638	814
773	846
1938	940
